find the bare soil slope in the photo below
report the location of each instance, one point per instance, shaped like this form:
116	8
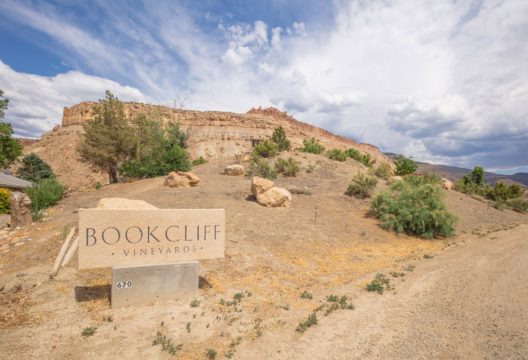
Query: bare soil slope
322	244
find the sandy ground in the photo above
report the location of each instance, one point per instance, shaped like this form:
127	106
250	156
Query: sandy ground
468	302
323	244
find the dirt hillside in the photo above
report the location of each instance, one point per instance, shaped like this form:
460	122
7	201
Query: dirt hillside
323	245
213	135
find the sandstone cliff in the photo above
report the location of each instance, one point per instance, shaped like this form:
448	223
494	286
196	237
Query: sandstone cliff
212	134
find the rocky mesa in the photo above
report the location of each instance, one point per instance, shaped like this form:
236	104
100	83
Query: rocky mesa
212	134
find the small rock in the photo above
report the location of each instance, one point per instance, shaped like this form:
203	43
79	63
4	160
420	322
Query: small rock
446	184
298	190
234	170
181	179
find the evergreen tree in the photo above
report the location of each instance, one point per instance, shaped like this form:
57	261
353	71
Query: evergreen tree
279	138
34	168
10	148
108	140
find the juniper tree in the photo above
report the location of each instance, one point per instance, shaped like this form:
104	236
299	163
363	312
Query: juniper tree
108	140
34	168
279	138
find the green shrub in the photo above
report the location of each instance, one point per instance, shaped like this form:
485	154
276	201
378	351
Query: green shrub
361	186
468	188
279	138
501	194
5	202
34	168
288	167
336	154
502	191
262	168
383	171
414	206
379	284
311	321
45	193
266	149
173	159
365	158
312	146
519	204
425	178
353	154
405	166
476	176
89	331
199	161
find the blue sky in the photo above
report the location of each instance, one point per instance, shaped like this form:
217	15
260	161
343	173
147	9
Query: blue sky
443	81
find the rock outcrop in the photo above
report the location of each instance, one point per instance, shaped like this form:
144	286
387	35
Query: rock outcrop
181	179
212	134
269	195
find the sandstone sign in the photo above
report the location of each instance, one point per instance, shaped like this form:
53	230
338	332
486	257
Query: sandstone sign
109	237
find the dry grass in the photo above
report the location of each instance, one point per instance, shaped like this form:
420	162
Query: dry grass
13	307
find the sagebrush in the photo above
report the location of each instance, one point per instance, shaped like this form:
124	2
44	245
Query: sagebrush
263	168
312	146
414	206
288	167
404	165
383	171
266	149
337	154
364	158
362	186
43	194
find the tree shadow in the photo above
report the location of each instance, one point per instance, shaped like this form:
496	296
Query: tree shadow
87	293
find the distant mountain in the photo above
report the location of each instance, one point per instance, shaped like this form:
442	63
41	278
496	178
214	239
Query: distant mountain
455	173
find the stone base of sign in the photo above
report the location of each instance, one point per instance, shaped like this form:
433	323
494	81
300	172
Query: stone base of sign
142	285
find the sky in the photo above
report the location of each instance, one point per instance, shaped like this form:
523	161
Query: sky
442	81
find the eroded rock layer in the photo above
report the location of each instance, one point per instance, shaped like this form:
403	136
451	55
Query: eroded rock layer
212	134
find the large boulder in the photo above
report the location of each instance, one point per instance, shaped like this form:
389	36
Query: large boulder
260	185
446	184
122	203
269	195
234	170
275	197
181	179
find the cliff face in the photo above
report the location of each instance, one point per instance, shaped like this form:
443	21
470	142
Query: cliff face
214	134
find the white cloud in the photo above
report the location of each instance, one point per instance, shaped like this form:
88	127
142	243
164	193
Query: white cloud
440	80
36	102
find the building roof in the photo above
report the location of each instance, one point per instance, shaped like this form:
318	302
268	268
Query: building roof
13	182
